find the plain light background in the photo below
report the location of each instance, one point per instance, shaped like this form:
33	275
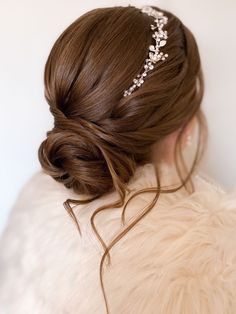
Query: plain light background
28	29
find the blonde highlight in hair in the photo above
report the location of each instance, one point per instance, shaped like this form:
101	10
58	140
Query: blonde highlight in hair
100	138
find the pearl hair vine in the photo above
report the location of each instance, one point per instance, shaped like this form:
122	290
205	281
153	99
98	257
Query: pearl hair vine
155	54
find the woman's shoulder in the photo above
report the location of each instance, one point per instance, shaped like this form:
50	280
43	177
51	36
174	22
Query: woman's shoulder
38	245
38	185
213	195
40	193
203	179
186	246
38	203
145	177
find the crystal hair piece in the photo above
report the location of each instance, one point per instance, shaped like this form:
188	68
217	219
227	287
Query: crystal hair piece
155	55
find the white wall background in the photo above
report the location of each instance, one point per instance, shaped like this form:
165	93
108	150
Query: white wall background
28	29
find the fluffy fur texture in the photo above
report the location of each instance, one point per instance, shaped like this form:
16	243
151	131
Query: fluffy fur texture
179	259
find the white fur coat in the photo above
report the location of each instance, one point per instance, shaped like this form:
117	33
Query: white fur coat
179	259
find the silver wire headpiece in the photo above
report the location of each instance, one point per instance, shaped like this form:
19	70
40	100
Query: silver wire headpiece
155	55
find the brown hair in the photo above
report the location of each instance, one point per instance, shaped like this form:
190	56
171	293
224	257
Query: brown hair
100	137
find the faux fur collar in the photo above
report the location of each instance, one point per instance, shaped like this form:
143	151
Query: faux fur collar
180	258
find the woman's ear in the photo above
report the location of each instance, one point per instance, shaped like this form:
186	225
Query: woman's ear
188	134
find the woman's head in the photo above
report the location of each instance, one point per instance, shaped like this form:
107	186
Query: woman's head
99	136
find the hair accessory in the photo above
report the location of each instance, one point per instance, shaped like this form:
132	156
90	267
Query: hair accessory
155	55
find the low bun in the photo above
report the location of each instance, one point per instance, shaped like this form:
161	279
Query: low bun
68	158
73	154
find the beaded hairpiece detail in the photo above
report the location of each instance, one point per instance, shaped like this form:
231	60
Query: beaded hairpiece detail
155	54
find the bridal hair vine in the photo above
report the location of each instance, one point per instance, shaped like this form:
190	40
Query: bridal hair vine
155	55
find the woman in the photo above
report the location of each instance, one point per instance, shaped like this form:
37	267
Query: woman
146	231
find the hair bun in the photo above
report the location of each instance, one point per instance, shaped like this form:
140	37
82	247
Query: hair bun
75	161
